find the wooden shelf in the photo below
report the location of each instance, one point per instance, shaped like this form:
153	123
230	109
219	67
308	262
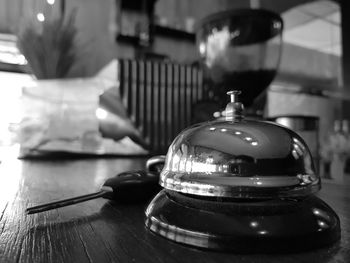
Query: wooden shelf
174	33
127	39
147	7
140	6
159	31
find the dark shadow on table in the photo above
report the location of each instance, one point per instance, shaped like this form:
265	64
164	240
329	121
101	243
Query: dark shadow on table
118	213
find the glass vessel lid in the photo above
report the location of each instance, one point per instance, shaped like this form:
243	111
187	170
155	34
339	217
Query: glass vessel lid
239	158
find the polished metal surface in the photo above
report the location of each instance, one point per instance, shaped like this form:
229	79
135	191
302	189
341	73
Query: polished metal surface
234	109
241	185
298	122
275	225
241	159
308	128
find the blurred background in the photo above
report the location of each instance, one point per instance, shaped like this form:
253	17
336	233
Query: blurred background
311	78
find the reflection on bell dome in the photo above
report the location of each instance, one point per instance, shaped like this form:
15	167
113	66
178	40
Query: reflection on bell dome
245	159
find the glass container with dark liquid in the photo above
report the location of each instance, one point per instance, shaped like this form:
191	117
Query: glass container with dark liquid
240	49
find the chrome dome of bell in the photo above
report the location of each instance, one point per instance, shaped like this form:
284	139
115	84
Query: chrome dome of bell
239	158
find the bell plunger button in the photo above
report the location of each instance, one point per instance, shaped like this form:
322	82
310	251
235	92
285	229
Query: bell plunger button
234	109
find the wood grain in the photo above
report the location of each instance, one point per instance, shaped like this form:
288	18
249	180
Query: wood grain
106	231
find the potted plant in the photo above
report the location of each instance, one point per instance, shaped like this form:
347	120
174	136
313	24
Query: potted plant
60	113
50	46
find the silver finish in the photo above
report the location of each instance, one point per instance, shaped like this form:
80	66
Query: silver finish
234	109
240	159
233	95
69	201
298	122
155	160
155	164
308	128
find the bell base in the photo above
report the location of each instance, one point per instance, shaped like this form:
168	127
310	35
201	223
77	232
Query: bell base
267	226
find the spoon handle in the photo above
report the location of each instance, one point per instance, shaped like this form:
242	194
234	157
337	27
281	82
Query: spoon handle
66	202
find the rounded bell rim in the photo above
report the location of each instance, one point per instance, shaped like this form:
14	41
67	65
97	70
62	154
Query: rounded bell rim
255	187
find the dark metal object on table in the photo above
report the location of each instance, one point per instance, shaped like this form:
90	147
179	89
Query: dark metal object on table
255	226
65	202
131	186
241	185
155	164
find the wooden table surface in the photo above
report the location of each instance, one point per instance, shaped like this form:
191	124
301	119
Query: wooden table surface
104	231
